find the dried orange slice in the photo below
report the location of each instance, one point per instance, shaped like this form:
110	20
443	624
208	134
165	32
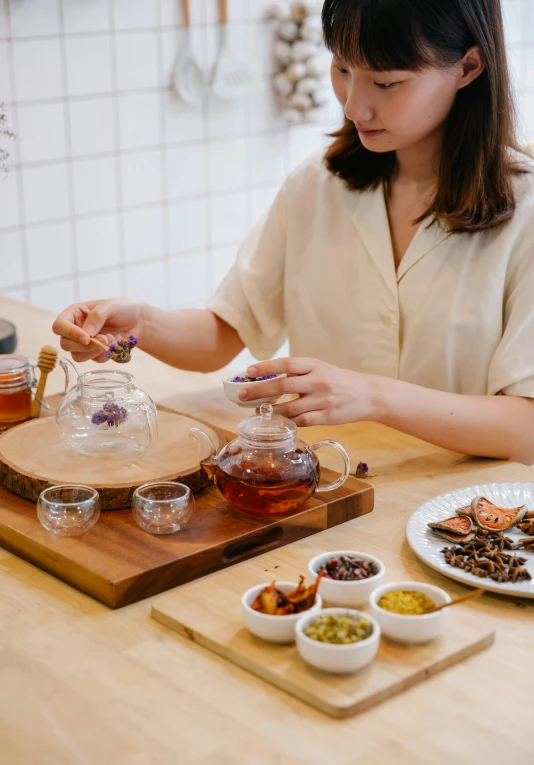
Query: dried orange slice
493	518
459	528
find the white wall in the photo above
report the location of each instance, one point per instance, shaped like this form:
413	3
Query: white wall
117	188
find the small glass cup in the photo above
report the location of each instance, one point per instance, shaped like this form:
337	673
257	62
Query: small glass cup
162	508
69	509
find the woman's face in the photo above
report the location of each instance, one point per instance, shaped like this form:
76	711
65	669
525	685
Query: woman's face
393	110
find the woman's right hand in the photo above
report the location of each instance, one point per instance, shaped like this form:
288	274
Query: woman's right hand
105	320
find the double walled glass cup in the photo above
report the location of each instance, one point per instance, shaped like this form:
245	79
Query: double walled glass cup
162	508
68	509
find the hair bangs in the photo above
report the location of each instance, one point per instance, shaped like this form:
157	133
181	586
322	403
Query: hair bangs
380	35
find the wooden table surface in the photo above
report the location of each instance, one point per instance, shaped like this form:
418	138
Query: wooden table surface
81	684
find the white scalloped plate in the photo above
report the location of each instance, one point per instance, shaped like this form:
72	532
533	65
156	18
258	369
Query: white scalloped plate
428	547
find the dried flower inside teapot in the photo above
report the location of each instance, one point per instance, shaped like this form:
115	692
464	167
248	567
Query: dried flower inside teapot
112	414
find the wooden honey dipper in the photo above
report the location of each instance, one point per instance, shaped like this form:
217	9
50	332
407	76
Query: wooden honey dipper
46	362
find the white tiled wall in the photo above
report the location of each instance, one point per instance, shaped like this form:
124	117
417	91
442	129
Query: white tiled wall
117	187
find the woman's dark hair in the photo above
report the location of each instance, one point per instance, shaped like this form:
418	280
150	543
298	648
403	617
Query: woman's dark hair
475	189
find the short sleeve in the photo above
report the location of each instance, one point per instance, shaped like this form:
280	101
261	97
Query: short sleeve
251	297
511	370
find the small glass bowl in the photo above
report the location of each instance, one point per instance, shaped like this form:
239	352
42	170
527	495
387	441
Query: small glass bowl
162	508
68	509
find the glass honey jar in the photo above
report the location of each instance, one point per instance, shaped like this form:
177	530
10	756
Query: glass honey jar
16	382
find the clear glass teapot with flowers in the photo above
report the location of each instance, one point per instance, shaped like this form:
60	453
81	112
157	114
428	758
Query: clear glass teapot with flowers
104	413
267	469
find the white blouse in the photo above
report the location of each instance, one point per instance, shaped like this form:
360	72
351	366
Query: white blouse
457	315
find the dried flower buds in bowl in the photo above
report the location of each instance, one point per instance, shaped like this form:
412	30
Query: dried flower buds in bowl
234	383
338	640
349	577
400	609
271	611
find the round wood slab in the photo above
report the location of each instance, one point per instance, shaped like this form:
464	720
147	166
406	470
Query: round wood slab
33	457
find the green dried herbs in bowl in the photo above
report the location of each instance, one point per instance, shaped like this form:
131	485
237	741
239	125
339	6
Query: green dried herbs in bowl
341	629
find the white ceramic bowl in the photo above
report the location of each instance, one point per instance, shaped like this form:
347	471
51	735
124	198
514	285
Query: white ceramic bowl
232	390
348	594
411	629
339	659
274	629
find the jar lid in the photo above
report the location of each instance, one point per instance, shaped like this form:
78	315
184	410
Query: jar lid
267	427
11	364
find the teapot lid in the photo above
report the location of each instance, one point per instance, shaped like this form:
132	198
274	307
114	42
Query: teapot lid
267	427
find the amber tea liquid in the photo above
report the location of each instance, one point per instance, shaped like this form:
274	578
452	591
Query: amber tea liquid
267	491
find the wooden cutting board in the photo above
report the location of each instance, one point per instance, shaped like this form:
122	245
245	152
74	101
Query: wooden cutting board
33	457
118	563
208	612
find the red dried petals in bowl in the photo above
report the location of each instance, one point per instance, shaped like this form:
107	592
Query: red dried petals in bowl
349	569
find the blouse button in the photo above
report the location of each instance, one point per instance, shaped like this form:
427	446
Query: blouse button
387	321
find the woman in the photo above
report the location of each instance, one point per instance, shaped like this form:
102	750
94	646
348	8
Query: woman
401	264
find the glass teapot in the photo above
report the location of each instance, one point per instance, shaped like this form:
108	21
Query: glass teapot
104	413
267	469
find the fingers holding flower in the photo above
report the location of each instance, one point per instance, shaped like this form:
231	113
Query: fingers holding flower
327	395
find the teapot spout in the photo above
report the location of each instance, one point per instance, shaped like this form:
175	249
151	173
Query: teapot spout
208	462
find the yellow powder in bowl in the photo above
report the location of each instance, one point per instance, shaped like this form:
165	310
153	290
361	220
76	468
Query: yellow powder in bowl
406	602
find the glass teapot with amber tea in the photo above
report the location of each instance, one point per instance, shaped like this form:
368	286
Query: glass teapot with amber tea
104	413
267	469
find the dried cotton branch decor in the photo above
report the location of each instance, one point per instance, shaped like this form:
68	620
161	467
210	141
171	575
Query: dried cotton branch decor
302	79
5	133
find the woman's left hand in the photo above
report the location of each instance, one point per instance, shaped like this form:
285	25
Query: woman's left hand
328	395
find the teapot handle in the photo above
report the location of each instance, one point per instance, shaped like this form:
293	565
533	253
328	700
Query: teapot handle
341	480
152	421
194	434
63	362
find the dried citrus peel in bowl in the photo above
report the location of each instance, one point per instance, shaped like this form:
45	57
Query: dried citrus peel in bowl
274	602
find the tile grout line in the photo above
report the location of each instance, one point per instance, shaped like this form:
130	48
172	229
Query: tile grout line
126	32
164	185
108	212
92	96
18	177
68	157
117	145
147	148
210	247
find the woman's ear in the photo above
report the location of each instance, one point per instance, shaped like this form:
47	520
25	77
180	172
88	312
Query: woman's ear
472	67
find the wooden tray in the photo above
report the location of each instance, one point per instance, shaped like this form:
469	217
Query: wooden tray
209	613
117	563
33	457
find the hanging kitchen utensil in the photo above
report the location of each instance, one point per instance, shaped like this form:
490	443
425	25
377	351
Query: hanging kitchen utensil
231	78
187	75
